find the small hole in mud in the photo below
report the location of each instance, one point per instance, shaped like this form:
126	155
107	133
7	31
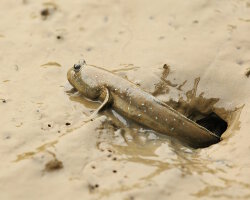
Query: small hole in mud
89	49
58	37
45	12
213	123
7	137
92	187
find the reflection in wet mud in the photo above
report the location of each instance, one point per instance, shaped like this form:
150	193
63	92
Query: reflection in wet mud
147	148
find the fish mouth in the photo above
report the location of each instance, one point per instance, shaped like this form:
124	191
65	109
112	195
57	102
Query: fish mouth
70	76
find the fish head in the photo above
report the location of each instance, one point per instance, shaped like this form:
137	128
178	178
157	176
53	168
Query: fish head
81	78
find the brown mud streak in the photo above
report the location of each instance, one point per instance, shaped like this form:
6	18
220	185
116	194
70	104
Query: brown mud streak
39	149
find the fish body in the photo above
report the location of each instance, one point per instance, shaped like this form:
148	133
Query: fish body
134	103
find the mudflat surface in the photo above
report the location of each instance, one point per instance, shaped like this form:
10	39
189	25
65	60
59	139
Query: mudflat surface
46	150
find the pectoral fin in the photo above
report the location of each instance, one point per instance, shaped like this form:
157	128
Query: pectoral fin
100	108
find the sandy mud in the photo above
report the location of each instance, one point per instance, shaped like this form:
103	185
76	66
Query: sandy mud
193	55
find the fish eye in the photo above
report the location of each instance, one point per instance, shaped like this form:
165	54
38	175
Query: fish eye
77	67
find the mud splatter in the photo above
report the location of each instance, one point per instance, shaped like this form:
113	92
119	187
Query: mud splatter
162	86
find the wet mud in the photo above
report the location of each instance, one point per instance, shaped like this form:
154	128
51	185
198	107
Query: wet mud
47	148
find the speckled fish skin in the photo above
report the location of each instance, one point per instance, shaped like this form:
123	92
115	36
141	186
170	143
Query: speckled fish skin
134	103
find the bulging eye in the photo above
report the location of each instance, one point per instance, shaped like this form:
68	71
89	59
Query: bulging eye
77	67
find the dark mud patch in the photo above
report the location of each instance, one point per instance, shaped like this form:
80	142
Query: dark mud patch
53	165
45	13
59	37
247	73
3	100
48	10
92	187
